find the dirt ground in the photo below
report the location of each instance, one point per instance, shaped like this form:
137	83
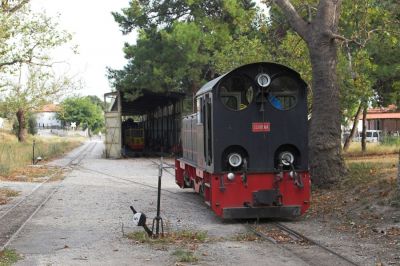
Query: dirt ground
87	221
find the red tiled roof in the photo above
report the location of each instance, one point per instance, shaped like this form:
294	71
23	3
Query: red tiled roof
384	116
49	108
384	113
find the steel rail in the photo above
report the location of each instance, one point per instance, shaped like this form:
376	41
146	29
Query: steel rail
143	185
299	236
314	242
282	227
41	184
79	158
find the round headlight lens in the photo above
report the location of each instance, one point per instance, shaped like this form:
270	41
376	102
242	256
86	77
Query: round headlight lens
263	80
286	158
235	159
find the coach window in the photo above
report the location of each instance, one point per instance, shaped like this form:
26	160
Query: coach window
283	92
236	92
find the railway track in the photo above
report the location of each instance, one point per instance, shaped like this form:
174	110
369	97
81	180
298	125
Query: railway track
332	257
13	227
14	218
190	200
310	251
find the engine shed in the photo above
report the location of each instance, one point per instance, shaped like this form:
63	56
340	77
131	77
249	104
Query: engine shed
147	125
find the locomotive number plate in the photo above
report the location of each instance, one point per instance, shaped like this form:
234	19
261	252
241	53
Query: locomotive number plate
261	127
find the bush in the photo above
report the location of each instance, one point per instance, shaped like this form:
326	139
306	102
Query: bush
32	125
391	140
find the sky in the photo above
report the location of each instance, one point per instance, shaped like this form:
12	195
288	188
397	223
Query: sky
97	36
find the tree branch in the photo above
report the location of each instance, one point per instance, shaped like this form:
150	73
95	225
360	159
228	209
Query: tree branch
5	6
298	24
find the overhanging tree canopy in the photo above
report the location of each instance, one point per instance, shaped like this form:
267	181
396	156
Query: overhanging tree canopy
182	44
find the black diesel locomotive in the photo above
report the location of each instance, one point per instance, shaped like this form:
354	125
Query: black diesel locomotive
245	150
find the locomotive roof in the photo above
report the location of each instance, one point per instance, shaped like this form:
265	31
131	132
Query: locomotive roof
211	84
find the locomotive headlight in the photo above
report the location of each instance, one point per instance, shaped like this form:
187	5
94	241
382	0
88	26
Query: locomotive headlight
231	176
286	158
263	80
235	159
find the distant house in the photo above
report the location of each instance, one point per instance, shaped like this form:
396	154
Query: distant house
46	117
385	119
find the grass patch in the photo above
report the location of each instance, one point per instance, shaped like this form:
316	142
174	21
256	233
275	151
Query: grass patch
15	155
384	148
245	237
8	257
390	141
362	172
366	198
178	237
183	255
6	193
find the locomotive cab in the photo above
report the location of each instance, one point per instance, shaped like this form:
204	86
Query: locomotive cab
245	149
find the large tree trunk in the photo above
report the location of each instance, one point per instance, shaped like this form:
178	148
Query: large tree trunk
353	129
22	132
326	161
364	129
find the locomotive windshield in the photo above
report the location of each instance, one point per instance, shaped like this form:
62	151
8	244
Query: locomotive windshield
236	92
283	92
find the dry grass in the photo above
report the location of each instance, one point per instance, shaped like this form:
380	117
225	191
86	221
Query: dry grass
185	243
183	255
178	237
365	199
15	156
34	174
373	149
6	194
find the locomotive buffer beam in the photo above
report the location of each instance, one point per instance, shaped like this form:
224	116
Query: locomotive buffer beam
261	212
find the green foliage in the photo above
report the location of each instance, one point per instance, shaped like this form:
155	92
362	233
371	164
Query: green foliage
8	257
32	125
83	111
369	59
25	38
368	69
96	100
391	141
27	80
185	255
183	44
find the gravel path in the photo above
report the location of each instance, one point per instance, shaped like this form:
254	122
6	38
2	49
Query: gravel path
83	222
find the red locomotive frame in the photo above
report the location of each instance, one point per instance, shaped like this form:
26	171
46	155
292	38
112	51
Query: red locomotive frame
227	198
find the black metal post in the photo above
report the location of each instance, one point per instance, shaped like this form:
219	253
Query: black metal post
33	152
159	199
157	220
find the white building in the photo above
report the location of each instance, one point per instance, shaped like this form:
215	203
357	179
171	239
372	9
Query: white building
47	117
